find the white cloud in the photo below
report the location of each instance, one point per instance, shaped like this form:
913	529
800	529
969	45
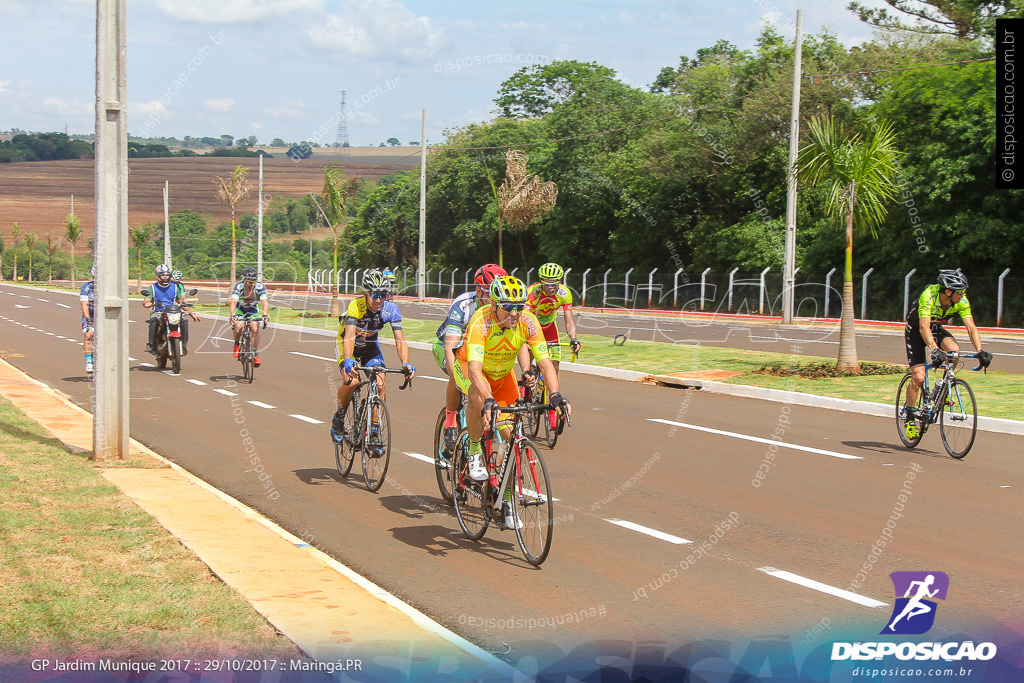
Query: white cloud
3	86
234	11
379	29
149	108
65	107
294	109
363	117
224	104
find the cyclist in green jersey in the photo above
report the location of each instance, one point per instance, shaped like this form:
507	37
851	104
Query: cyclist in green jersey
927	339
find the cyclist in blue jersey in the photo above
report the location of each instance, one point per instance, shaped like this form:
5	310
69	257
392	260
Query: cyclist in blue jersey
87	300
390	275
176	275
161	293
926	338
449	337
245	296
357	341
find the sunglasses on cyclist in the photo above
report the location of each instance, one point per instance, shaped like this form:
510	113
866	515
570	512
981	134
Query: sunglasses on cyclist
512	307
378	295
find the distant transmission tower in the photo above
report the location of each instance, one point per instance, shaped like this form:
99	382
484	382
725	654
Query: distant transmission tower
342	127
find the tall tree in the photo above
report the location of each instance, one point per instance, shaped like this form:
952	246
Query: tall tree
337	193
232	191
859	176
139	236
72	233
52	247
30	241
968	19
14	235
536	90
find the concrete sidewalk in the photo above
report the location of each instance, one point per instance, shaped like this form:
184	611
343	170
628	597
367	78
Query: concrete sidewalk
330	612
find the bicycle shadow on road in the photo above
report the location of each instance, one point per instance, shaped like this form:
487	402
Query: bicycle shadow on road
440	540
416	506
892	449
318	476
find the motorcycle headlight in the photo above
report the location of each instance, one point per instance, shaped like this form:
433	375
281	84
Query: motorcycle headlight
174	318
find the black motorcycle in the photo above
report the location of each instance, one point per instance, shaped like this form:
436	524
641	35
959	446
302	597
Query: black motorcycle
168	336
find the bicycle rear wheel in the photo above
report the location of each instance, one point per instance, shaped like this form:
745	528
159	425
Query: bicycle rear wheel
901	413
532	502
245	353
442	461
531	421
345	452
377	444
472	498
958	422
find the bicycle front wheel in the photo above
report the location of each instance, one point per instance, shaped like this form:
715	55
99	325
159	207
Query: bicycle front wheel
531	420
345	452
532	502
377	444
958	422
442	461
472	498
911	437
245	354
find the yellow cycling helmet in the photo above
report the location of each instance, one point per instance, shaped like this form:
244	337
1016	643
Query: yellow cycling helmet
551	272
506	289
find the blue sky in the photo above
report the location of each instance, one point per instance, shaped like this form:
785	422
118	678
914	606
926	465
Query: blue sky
276	68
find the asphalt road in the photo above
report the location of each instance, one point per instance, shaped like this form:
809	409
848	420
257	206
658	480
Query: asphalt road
666	534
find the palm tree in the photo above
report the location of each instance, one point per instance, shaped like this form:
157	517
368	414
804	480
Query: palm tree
52	246
858	174
30	240
14	234
231	192
337	194
72	233
522	198
139	236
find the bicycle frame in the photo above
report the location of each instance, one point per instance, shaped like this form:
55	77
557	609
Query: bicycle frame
933	402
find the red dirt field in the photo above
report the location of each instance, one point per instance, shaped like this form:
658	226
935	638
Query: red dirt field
37	195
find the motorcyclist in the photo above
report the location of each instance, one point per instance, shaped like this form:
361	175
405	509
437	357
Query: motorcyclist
161	293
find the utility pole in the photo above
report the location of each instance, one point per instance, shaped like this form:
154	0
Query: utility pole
789	258
167	223
259	225
421	268
110	416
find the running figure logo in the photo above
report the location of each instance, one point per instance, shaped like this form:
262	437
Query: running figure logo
914	612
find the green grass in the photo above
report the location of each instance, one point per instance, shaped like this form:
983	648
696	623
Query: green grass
997	393
85	570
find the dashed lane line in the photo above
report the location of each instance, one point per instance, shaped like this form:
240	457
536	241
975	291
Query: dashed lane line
822	587
310	420
758	439
649	531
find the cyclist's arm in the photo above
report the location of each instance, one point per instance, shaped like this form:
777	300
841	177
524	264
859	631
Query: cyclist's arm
266	306
547	368
570	321
401	346
232	305
972	332
524	358
450	342
925	328
85	308
477	379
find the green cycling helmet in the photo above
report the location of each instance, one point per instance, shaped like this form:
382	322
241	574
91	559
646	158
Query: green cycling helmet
551	272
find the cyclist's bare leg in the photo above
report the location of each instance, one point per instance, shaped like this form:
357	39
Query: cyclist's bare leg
381	388
255	327
87	338
236	329
452	395
474	420
345	391
914	388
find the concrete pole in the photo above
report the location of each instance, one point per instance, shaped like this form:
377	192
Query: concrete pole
420	272
789	256
110	417
167	223
259	226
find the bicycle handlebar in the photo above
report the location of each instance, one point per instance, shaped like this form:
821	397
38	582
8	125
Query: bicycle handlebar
375	370
953	356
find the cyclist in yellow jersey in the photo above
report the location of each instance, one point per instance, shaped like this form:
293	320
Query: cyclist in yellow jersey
926	338
544	299
484	371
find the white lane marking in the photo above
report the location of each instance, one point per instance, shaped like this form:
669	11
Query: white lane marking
132	359
63	305
310	355
50	334
823	587
44	300
20	306
781	444
196	382
650	532
147	365
225	392
223	339
260	404
436	379
310	420
420	456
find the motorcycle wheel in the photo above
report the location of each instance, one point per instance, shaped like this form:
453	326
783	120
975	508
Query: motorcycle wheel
175	344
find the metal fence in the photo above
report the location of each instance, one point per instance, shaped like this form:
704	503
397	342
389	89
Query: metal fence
996	301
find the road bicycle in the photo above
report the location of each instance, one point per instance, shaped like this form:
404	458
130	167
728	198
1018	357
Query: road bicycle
518	478
553	421
950	402
246	354
368	428
442	456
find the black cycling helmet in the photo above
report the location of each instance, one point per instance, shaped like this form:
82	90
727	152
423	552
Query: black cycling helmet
249	274
375	281
952	279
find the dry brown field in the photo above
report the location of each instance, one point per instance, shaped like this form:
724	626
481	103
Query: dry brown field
37	195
